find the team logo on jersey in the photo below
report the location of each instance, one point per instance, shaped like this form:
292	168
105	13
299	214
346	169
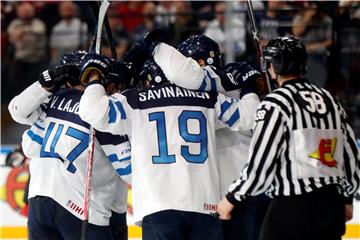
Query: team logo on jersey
325	152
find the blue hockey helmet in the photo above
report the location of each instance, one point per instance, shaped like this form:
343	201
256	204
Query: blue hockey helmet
69	66
152	73
201	47
72	57
287	54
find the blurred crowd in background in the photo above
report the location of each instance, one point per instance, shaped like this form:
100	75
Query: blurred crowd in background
35	34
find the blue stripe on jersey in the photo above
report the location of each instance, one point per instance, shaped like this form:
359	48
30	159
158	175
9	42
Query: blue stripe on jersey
121	109
223	108
112	112
203	85
213	82
124	171
39	127
233	118
35	137
114	158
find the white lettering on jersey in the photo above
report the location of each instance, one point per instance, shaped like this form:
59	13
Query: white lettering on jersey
61	103
54	101
142	97
65	106
168	92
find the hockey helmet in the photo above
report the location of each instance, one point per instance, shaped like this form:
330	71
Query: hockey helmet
72	57
287	54
152	73
201	47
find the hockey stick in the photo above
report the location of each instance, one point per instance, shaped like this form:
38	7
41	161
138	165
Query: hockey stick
102	11
95	5
259	50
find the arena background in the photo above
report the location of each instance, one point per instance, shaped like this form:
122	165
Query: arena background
332	37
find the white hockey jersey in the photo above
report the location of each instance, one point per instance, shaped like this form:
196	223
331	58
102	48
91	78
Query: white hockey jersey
57	145
232	148
172	133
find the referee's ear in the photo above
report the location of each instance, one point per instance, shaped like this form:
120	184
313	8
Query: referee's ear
271	71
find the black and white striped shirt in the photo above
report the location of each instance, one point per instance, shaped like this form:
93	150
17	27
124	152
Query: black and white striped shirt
302	141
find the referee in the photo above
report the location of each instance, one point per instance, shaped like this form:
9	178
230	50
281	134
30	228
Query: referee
303	154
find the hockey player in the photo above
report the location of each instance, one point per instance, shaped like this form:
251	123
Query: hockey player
197	66
303	153
175	173
58	167
232	148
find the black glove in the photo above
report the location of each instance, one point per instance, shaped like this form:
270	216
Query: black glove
137	55
242	73
239	76
155	37
69	72
118	73
91	62
49	81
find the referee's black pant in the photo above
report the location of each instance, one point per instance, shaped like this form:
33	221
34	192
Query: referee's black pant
319	215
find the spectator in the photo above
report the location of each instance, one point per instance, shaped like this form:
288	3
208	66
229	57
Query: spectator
271	23
130	13
149	23
348	33
120	36
165	11
315	29
28	36
204	11
236	31
184	25
68	35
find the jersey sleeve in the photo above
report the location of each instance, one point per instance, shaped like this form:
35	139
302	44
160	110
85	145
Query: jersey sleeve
186	72
237	114
107	114
351	159
259	171
118	151
32	139
26	107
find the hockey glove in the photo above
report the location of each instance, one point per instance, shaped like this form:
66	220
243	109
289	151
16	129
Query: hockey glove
49	81
137	56
68	73
155	37
94	62
240	75
118	73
